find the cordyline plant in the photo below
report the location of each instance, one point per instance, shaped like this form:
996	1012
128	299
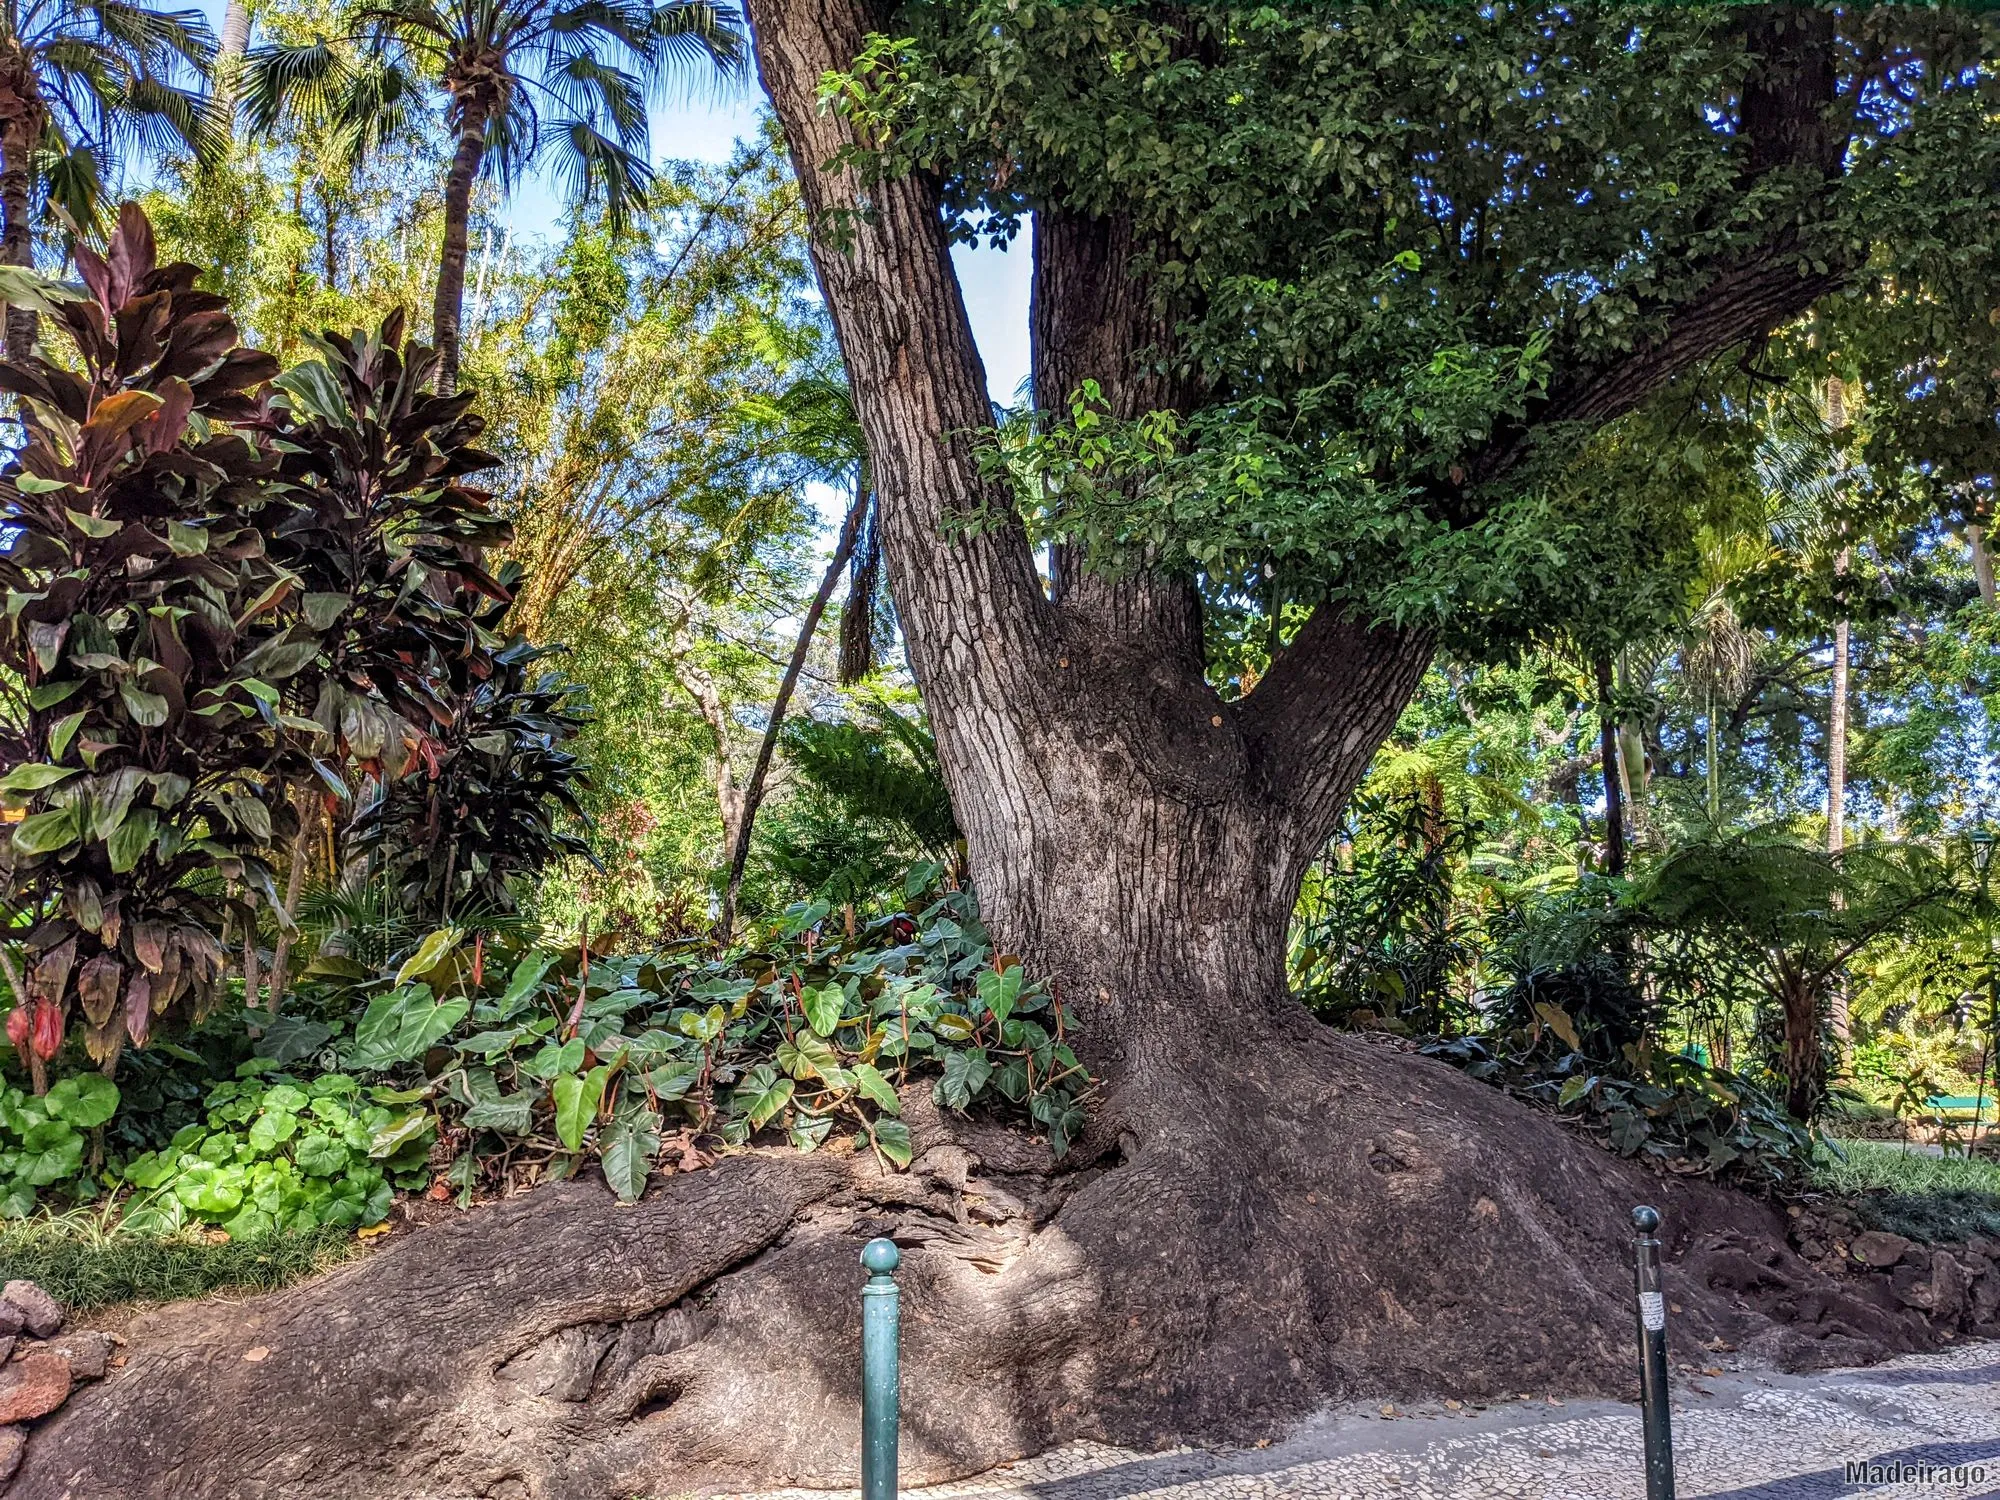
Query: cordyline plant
222	590
147	641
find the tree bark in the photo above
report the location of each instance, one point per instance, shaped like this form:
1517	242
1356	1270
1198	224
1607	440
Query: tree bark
1982	564
1836	785
305	801
1805	1058
446	310
753	788
1607	754
232	43
22	120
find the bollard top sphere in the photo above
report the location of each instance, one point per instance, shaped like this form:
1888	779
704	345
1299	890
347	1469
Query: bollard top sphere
879	1257
1645	1219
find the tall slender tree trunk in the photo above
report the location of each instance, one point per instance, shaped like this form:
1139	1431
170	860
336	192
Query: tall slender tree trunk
1836	789
1714	762
447	310
231	44
22	120
305	803
753	788
1982	563
1607	749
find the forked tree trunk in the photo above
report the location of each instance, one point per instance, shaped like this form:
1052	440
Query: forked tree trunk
1262	1215
447	309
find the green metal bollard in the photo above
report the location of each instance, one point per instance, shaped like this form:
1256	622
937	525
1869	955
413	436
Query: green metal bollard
880	1391
1653	1358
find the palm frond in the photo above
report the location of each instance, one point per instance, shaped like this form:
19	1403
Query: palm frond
153	37
592	165
304	82
695	37
163	119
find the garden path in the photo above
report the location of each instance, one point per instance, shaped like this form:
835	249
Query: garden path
1741	1436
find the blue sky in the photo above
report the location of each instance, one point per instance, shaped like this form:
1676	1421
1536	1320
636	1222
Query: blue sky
995	281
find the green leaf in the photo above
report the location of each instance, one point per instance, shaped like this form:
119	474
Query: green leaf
401	1025
953	1027
84	1100
63	731
526	977
186	541
34	484
1574	1090
33	777
49	694
823	1007
577	1096
762	1093
892	1139
130	839
318	1155
810	1131
626	1147
510	1114
50	1153
808	1056
1000	991
398	1133
430	952
272	1129
878	1088
554	1059
45	833
148	710
97	528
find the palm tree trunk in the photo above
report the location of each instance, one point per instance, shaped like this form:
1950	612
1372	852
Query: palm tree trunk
1836	789
1607	744
450	302
17	244
1714	767
228	73
753	789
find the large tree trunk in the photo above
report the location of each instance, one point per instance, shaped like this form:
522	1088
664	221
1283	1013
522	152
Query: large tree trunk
447	309
1607	756
1805	1057
1836	794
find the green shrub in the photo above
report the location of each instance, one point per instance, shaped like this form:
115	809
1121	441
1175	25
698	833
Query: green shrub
43	1140
572	1059
279	1153
1647	1102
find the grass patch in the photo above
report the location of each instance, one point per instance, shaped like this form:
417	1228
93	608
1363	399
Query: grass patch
85	1261
1923	1197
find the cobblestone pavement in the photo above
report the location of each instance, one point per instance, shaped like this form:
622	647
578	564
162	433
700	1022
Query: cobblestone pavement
1746	1436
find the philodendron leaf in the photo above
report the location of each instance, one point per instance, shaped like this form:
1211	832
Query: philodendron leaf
892	1139
402	1025
763	1092
823	1007
430	952
627	1147
577	1096
1000	992
878	1088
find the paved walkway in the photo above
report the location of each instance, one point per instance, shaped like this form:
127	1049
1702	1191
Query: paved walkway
1736	1437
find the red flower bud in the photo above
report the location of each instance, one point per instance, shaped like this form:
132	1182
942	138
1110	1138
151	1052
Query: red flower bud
48	1029
17	1029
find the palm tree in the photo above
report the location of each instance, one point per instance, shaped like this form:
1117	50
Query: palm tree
521	81
79	80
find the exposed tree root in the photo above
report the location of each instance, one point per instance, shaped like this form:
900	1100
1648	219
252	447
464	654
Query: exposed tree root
1335	1219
